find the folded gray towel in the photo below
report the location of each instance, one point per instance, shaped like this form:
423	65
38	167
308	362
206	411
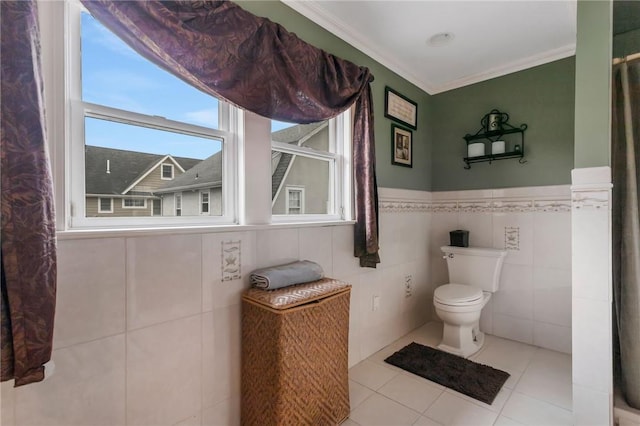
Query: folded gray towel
302	271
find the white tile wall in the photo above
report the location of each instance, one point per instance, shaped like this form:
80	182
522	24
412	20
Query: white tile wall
164	372
88	387
163	279
147	333
591	295
151	314
533	303
91	290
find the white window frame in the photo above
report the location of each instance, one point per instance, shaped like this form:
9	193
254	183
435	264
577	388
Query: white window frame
162	166
143	206
294	188
100	205
340	181
247	148
230	119
177	204
202	203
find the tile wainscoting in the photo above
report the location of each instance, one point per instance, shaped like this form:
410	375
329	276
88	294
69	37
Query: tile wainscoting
533	304
147	328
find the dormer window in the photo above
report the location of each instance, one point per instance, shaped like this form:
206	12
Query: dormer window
167	171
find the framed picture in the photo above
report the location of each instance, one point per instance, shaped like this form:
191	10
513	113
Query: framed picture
400	108
401	146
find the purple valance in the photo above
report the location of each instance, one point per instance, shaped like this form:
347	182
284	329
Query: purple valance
28	224
256	64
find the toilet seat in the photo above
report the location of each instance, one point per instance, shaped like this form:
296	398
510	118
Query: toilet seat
457	295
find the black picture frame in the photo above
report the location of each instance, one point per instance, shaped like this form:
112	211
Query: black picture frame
401	146
398	107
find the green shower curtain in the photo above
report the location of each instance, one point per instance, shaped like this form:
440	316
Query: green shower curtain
625	159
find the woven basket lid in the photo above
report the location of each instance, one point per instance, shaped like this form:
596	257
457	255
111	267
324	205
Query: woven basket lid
296	295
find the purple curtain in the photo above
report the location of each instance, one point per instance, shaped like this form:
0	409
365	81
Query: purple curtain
28	224
256	64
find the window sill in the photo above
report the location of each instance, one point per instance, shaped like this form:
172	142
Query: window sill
77	234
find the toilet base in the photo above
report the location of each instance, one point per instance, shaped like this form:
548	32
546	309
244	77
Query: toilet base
461	340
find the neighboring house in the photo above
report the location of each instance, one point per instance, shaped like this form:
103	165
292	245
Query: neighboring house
128	183
122	183
198	191
300	185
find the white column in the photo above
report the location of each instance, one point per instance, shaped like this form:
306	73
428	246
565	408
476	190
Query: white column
255	178
592	296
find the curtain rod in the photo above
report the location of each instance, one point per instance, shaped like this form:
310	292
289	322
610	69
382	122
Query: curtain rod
626	58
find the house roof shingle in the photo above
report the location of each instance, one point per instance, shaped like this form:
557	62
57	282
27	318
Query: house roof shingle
125	167
295	133
207	173
291	135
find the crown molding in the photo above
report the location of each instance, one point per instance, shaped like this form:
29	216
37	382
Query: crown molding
355	39
515	66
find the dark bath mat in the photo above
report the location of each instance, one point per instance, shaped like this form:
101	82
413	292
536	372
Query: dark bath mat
470	378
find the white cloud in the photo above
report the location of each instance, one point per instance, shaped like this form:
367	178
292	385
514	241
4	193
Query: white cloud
206	117
103	36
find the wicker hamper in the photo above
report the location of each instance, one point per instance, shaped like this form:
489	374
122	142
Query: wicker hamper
294	354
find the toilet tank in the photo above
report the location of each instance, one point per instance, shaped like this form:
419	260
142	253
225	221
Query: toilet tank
475	266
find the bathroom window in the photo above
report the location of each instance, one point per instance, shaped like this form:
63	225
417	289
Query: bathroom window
144	134
308	169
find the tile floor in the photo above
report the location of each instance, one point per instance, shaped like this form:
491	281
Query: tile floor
537	393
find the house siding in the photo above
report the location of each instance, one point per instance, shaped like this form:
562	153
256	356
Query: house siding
154	179
313	175
191	203
92	204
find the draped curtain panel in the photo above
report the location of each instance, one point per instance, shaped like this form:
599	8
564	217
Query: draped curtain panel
28	223
257	65
626	225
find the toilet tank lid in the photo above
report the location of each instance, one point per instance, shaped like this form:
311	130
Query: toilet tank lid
474	251
457	293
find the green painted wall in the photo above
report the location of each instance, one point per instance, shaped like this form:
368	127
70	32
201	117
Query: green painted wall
593	83
626	44
418	177
542	97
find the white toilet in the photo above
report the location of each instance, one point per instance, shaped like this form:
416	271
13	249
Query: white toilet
474	274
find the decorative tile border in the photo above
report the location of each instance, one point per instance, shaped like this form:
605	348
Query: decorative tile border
590	200
403	206
552	205
231	255
477	206
508	206
444	207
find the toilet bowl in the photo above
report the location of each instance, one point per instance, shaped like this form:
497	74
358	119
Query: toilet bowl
474	274
461	333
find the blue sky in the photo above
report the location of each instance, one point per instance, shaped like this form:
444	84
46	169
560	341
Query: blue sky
115	75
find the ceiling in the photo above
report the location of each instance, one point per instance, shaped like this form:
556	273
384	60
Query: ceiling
490	38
